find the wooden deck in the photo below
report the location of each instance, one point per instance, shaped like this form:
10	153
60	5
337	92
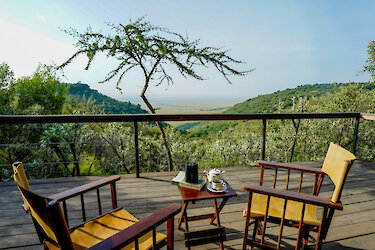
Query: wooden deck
352	228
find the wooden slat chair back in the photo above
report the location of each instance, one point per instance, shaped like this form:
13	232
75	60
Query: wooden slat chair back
297	209
116	229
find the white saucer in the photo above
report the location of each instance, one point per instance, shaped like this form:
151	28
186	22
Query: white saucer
211	189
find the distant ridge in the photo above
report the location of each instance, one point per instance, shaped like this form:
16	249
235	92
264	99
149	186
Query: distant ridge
110	105
268	103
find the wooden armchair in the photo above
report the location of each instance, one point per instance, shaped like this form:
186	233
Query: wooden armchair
296	209
114	230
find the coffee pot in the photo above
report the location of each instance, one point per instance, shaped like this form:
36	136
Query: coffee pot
191	173
215	175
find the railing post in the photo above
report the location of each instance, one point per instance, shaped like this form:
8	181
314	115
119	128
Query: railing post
136	148
355	135
264	139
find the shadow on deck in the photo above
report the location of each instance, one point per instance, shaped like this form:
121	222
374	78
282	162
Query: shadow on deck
352	228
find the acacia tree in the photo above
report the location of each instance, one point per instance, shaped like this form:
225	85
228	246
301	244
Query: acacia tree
149	48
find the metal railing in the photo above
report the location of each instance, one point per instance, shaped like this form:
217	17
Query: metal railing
136	118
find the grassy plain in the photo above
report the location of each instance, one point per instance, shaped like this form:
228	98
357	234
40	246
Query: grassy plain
192	107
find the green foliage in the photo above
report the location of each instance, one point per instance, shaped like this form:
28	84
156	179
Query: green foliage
311	139
50	150
40	93
110	105
292	140
283	101
269	103
6	90
187	126
6	76
74	105
370	62
212	127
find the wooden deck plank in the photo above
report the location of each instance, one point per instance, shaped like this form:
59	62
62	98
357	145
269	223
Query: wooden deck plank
352	228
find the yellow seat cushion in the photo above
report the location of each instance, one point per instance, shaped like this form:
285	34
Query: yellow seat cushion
104	227
293	209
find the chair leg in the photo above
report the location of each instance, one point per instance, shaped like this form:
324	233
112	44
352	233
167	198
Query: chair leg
322	230
170	233
319	242
305	236
247	224
257	229
246	232
318	245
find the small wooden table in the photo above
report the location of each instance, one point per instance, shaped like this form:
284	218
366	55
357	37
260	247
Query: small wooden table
204	236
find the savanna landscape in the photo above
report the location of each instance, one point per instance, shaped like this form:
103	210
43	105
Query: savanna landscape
107	104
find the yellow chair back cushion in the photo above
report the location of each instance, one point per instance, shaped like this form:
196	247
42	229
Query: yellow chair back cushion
336	165
20	179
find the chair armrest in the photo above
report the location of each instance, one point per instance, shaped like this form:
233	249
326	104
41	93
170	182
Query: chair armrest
140	228
84	188
290	195
291	167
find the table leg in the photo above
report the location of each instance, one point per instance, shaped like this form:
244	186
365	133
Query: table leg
222	204
218	221
183	215
186	221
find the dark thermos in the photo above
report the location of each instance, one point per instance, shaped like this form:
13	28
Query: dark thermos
191	173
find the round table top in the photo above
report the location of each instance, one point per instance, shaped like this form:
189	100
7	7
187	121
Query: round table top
191	194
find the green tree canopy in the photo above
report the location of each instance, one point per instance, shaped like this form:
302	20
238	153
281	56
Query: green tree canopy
43	90
6	93
370	62
6	76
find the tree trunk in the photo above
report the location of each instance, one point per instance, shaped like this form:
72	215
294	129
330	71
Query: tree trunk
296	128
165	141
60	154
76	164
121	158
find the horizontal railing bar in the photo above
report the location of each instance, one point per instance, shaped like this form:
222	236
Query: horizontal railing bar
49	163
41	143
22	119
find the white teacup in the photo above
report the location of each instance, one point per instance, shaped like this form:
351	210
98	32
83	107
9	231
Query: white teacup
218	185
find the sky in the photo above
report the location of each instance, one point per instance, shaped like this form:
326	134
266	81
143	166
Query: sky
289	42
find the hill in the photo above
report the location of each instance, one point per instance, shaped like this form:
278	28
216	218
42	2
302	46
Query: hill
268	103
262	104
110	105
